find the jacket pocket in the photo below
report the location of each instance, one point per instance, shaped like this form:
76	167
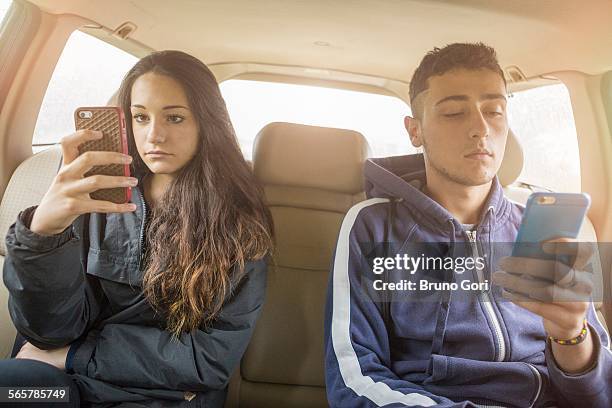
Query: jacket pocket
485	382
438	369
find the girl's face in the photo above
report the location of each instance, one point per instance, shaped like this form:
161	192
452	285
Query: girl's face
165	130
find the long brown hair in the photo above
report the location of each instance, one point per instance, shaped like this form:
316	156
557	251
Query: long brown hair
212	218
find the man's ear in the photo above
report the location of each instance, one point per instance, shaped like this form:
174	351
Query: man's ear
413	126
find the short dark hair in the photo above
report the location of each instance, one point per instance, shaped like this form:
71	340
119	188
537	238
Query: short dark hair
472	56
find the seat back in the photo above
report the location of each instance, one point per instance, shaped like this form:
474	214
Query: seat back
27	186
311	177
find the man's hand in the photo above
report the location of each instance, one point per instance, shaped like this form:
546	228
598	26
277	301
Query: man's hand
55	357
558	293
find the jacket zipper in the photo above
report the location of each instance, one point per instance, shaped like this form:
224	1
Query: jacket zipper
488	307
144	219
497	328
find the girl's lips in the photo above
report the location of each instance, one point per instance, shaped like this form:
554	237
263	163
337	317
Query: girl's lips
158	155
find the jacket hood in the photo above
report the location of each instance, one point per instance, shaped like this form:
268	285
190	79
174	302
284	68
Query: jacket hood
401	178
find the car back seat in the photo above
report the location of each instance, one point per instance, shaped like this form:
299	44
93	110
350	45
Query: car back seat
311	177
27	186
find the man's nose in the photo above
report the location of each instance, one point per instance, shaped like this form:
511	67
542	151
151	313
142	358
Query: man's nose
478	125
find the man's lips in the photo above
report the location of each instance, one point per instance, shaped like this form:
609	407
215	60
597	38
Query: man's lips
479	154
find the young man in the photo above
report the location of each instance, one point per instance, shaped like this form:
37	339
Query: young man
423	344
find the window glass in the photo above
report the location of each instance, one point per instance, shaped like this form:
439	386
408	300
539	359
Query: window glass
380	118
543	121
88	73
4	7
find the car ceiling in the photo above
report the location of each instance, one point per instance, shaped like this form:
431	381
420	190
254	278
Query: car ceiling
383	38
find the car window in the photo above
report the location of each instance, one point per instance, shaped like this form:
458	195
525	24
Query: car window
4	7
88	73
543	121
380	118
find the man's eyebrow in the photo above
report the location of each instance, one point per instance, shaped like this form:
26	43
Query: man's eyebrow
487	96
493	96
452	98
164	108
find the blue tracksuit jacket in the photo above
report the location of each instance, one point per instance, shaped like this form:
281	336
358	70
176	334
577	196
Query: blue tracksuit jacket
449	348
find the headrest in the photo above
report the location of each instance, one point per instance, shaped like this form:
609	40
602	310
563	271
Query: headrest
289	154
512	164
27	186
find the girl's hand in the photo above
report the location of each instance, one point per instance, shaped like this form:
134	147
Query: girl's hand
55	357
68	196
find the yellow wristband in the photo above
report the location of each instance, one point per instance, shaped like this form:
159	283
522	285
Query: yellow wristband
576	340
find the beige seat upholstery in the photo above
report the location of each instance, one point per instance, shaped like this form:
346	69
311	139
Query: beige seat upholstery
28	184
311	176
510	172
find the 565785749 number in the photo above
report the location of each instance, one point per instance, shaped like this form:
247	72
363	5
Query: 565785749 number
34	394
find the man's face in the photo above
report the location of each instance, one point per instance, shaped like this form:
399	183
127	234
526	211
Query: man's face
463	126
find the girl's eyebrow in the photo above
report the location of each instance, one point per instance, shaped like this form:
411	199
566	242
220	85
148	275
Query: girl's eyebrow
164	108
175	107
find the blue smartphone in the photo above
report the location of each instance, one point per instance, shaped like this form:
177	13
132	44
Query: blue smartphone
548	216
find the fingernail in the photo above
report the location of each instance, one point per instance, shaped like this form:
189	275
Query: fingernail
133	181
127	159
132	207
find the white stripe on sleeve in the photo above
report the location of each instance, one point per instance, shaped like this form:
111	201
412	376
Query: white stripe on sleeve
363	385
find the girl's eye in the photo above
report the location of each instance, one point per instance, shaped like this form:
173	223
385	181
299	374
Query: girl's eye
175	118
495	113
139	117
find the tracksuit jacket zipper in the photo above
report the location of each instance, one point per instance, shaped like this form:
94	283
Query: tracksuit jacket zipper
494	320
486	300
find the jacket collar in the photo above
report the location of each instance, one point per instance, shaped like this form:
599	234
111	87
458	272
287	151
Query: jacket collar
402	177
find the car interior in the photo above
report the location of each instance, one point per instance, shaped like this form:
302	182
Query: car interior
312	175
